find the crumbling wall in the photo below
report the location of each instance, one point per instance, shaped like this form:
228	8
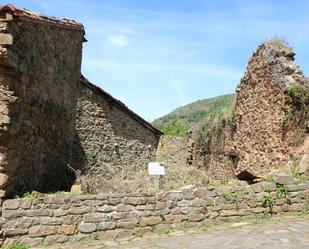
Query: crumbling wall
262	139
174	151
113	143
212	148
38	101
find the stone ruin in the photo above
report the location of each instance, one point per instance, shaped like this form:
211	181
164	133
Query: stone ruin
268	130
268	122
55	123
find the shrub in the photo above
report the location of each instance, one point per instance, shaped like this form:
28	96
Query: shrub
297	93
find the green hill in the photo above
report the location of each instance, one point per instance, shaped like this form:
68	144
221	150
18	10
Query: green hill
183	118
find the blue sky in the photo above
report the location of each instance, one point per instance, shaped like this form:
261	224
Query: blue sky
155	55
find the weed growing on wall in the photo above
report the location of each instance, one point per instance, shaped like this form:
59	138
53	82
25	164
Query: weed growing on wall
268	201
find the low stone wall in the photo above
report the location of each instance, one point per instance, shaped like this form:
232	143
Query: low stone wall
58	219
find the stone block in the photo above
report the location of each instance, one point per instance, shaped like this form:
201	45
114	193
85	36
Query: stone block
268	186
71	219
298	187
196	217
89	218
199	203
282	178
174	218
259	210
58	200
103	226
4	119
59	238
132	201
60	212
79	210
114	201
257	187
6	39
67	229
3	180
26	204
84	227
13	213
51	221
106	209
40	212
162	212
124	208
127	223
11	204
12	232
184	203
41	231
150	221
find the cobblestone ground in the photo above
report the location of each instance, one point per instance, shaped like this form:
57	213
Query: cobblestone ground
279	232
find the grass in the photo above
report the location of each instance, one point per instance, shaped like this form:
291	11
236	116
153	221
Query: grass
15	246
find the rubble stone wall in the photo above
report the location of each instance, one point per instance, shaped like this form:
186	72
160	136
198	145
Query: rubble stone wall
38	103
261	140
173	151
212	149
111	140
58	219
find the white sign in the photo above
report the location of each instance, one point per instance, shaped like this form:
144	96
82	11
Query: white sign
155	168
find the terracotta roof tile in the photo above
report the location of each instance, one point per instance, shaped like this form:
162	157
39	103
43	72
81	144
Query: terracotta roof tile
21	12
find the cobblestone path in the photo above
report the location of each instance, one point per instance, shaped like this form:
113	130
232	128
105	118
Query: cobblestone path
278	232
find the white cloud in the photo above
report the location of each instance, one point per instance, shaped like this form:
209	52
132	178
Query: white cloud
119	41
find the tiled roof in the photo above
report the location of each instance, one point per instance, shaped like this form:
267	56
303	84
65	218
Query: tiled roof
120	105
24	13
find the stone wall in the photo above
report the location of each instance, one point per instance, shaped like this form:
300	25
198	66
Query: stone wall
212	148
40	72
261	139
111	140
174	151
52	219
52	120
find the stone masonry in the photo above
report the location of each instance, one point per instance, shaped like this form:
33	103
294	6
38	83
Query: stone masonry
52	120
39	73
60	218
109	137
262	139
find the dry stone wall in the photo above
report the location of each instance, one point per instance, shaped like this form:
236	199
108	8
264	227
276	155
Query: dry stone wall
58	219
39	75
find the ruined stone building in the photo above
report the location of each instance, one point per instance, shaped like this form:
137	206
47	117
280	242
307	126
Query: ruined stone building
267	131
51	118
271	112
